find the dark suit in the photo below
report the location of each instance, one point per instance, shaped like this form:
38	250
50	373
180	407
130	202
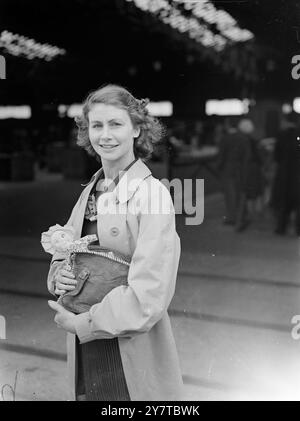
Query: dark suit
233	157
286	188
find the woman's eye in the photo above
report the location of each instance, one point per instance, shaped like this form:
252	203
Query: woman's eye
98	125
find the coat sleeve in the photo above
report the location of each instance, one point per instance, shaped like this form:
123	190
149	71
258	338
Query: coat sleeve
57	258
133	309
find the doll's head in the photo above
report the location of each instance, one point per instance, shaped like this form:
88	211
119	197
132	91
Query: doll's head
57	238
61	240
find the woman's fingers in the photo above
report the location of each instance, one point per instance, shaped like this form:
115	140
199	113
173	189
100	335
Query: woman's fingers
59	291
67	281
67	274
65	286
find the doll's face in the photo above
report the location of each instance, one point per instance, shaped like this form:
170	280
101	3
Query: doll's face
60	240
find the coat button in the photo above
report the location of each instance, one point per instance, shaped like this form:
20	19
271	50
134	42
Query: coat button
114	231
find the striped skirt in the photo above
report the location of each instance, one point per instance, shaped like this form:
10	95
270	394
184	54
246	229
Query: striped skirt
100	371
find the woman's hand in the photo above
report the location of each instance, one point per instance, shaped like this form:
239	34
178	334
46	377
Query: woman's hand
64	318
64	281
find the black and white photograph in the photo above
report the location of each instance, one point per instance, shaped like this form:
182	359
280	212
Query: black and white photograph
149	203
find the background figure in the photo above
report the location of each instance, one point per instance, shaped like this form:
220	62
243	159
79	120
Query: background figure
233	156
266	149
218	133
286	188
197	134
253	168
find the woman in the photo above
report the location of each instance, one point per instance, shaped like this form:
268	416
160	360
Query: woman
123	348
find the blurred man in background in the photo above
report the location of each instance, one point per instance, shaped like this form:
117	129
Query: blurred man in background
232	163
286	188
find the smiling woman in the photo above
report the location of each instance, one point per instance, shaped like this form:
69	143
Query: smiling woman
123	347
112	135
150	130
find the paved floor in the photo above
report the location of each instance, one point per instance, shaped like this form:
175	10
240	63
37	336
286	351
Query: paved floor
231	314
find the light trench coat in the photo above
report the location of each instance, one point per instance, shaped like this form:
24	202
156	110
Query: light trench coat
134	220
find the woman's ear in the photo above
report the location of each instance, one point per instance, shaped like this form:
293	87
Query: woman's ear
137	132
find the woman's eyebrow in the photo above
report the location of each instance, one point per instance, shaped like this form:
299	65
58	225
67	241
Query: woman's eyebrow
112	119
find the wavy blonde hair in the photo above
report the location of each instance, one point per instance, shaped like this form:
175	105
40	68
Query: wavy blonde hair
151	129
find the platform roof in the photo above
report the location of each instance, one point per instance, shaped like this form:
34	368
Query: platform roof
116	41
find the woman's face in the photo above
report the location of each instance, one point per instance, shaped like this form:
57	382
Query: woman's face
111	132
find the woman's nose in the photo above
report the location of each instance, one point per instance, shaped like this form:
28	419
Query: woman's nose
105	132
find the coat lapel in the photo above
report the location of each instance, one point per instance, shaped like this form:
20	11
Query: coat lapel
79	218
130	180
112	209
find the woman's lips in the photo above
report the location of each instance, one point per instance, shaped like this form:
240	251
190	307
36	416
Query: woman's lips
108	146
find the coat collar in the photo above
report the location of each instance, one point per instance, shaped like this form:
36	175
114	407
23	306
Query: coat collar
129	180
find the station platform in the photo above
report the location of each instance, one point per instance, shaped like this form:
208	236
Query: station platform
232	312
